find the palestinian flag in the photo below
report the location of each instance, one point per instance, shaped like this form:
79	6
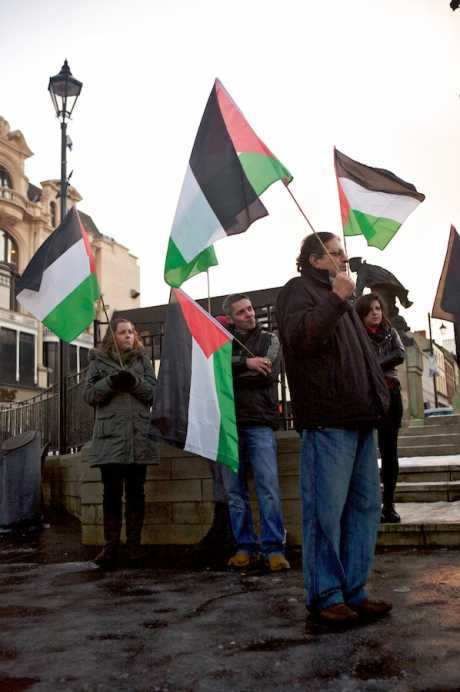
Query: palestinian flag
194	407
228	169
447	301
59	284
374	202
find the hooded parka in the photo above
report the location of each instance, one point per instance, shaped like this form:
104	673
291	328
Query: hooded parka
122	418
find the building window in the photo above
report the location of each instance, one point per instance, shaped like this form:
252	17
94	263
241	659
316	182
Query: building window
53	214
8	264
17	357
8	249
26	359
50	360
7	356
5	180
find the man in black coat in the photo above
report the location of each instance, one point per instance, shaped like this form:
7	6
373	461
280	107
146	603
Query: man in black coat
338	395
256	363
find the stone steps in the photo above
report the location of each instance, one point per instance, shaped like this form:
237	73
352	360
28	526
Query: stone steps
437	436
423	525
438	491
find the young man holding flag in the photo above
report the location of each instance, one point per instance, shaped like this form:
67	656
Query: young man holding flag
255	363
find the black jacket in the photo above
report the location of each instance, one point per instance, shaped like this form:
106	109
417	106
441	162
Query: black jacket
389	350
333	374
256	395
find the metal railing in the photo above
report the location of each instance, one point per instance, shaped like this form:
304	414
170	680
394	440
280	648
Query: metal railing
41	413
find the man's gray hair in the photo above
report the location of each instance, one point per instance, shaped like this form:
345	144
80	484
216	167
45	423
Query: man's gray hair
233	298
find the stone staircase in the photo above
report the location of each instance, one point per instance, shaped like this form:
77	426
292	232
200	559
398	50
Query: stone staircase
435	436
428	490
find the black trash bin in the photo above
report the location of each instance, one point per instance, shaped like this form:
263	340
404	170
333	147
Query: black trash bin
20	480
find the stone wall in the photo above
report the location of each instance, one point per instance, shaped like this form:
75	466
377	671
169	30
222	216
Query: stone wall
178	493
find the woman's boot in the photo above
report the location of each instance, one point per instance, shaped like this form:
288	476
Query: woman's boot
389	513
108	557
135	554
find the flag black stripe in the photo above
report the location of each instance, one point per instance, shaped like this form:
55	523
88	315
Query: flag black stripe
220	175
377	179
66	234
169	421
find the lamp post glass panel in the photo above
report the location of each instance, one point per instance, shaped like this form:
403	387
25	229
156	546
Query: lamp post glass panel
64	91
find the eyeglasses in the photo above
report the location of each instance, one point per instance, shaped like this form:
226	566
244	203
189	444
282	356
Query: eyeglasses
333	253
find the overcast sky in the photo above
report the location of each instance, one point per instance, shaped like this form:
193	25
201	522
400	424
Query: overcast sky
380	80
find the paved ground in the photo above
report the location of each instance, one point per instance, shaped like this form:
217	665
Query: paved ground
65	625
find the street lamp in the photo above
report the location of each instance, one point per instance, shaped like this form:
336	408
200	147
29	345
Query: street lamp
64	91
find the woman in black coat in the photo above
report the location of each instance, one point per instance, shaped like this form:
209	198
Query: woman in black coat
122	393
390	353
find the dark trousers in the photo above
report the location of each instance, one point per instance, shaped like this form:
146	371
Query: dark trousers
388	432
132	477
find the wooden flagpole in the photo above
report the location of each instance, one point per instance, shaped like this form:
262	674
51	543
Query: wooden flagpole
326	251
112	332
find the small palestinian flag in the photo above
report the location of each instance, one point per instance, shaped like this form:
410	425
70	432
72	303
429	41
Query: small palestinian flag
194	406
447	301
228	169
59	284
373	202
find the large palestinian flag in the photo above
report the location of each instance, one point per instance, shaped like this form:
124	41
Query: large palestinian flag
59	284
447	301
194	407
373	201
228	169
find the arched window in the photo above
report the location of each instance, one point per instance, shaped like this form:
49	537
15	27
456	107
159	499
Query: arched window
5	180
53	214
8	269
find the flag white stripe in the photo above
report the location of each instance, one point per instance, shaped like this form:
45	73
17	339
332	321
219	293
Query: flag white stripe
203	428
58	281
380	204
195	225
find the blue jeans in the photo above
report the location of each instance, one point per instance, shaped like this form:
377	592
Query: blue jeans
258	453
340	495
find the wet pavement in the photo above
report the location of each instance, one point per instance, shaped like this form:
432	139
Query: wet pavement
66	625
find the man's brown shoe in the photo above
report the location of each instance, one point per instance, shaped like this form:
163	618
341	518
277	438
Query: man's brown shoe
372	610
337	615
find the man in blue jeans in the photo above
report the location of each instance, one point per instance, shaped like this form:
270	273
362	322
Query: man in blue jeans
338	395
256	362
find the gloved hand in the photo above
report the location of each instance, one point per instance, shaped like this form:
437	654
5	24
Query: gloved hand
123	381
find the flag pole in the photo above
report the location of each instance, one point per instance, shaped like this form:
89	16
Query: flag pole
111	331
209	310
209	290
286	185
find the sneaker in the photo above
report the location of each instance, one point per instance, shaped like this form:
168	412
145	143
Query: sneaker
276	562
242	559
372	610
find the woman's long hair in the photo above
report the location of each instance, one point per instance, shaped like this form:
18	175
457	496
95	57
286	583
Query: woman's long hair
363	307
107	345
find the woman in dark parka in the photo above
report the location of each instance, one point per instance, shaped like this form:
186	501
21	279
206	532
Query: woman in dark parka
390	353
122	397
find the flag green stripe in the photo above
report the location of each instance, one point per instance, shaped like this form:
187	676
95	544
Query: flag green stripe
262	170
73	314
377	230
227	452
177	269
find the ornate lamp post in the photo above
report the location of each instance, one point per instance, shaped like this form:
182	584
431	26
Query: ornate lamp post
64	91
